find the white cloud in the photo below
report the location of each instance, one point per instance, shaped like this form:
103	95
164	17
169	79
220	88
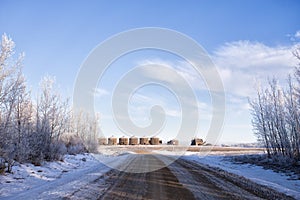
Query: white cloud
297	34
241	63
142	103
246	54
294	37
141	98
182	68
99	92
189	74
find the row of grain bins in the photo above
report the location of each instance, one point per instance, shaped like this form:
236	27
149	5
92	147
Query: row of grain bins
129	141
143	141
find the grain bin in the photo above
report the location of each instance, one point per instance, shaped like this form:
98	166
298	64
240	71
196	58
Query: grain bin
112	140
102	141
197	141
123	141
154	141
144	140
133	140
173	142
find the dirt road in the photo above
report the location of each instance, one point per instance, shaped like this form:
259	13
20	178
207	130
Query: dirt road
182	180
159	184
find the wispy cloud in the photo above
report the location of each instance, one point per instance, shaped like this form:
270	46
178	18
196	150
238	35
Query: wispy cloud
182	68
246	54
241	63
142	103
99	92
294	37
297	34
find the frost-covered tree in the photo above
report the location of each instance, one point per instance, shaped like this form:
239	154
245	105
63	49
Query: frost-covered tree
12	85
85	126
44	129
259	121
276	116
52	115
22	124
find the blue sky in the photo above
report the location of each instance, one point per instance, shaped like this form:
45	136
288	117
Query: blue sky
247	40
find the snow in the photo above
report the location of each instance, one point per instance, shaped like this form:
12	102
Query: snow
74	171
257	174
55	180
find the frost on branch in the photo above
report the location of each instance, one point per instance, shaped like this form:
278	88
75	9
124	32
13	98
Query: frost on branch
276	116
40	129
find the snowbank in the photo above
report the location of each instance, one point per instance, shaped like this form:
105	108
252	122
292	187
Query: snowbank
257	174
27	176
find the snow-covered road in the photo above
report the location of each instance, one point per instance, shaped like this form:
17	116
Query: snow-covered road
86	177
182	179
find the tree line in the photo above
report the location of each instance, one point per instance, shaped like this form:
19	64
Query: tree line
41	128
276	116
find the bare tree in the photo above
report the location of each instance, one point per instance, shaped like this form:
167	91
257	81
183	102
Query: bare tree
52	115
259	119
35	130
12	85
86	127
276	117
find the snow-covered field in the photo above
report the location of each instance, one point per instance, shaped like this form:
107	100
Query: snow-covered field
50	176
57	179
278	181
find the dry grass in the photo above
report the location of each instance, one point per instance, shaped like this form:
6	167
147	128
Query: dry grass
148	149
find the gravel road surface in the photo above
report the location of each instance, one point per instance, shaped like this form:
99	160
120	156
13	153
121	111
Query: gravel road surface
182	180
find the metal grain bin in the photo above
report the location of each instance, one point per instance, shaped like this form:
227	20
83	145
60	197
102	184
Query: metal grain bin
173	142
112	141
133	140
154	141
102	141
123	141
144	141
197	141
